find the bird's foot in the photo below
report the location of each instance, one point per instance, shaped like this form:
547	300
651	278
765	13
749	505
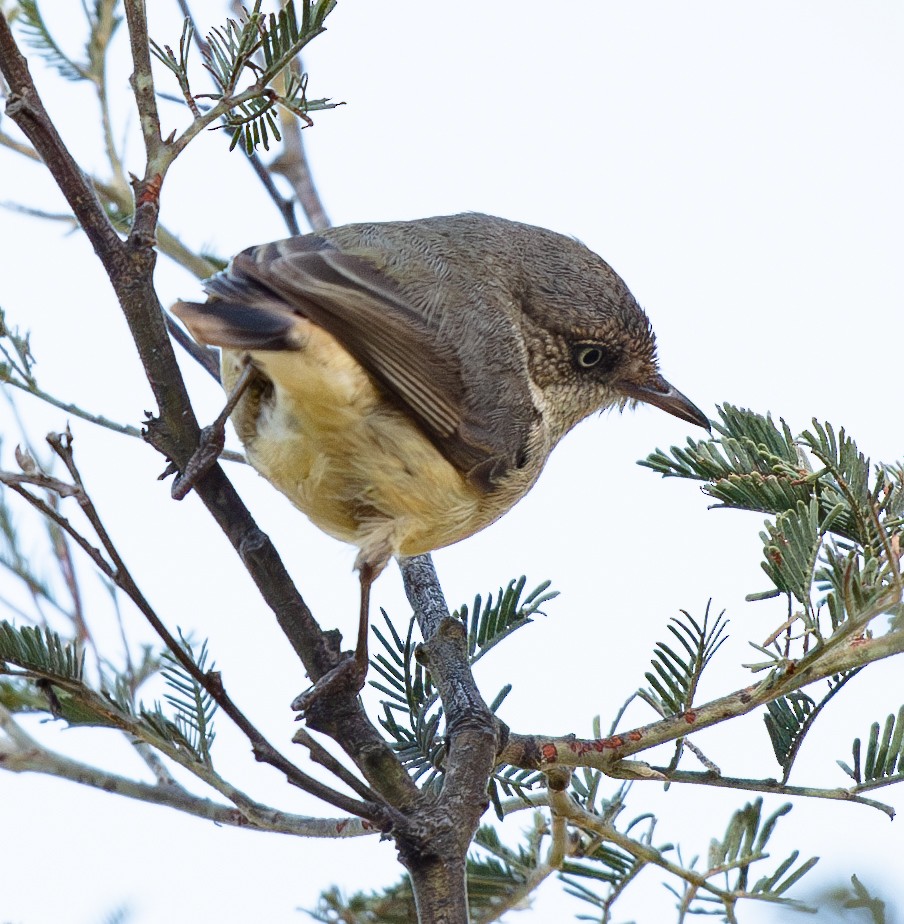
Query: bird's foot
205	456
347	677
213	438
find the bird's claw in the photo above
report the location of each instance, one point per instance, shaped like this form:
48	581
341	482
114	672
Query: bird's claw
346	677
205	456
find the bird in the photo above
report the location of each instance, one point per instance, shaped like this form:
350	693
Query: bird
409	379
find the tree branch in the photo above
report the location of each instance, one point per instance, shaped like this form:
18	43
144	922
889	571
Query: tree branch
28	756
176	431
25	108
434	846
772	786
539	752
211	681
292	163
129	265
566	807
142	81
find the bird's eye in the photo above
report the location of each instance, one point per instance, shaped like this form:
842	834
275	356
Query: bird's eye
594	356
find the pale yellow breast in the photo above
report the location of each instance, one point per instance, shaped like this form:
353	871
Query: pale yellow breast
353	462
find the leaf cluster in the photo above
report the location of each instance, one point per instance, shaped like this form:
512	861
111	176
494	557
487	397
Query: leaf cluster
48	675
835	538
789	718
884	759
730	861
411	695
194	707
263	49
832	548
676	671
102	21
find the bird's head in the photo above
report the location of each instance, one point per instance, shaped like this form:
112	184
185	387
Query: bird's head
592	347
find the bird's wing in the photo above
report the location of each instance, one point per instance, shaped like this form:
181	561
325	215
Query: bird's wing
252	307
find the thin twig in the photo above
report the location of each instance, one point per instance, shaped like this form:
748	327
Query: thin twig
293	164
102	29
121	199
156	765
286	206
322	756
175	433
25	108
559	848
74	409
206	358
568	808
705	778
29	756
14	483
99	420
142	80
606	753
118	572
8	141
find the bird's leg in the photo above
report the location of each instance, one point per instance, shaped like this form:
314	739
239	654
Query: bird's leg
351	671
367	573
212	439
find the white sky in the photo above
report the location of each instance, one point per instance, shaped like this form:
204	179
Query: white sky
739	165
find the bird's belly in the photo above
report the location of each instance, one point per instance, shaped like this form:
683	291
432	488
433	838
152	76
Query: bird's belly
353	462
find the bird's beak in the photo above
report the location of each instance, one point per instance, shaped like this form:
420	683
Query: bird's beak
657	391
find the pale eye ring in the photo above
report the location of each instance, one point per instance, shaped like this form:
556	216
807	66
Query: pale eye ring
595	356
588	356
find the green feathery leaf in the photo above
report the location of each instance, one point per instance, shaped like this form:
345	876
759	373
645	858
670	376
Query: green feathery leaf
178	65
884	761
789	718
608	865
744	844
41	652
37	35
261	48
409	690
675	675
790	548
194	706
489	623
859	897
493	877
785	719
394	905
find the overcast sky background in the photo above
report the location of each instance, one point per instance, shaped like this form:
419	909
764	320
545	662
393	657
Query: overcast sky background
739	165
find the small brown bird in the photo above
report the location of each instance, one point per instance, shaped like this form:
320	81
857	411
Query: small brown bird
413	377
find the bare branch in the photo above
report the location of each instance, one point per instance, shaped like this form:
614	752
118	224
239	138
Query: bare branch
320	755
142	81
538	752
211	681
773	786
28	756
566	807
286	206
292	163
25	108
176	432
435	855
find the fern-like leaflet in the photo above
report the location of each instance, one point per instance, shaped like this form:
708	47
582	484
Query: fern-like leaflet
408	687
